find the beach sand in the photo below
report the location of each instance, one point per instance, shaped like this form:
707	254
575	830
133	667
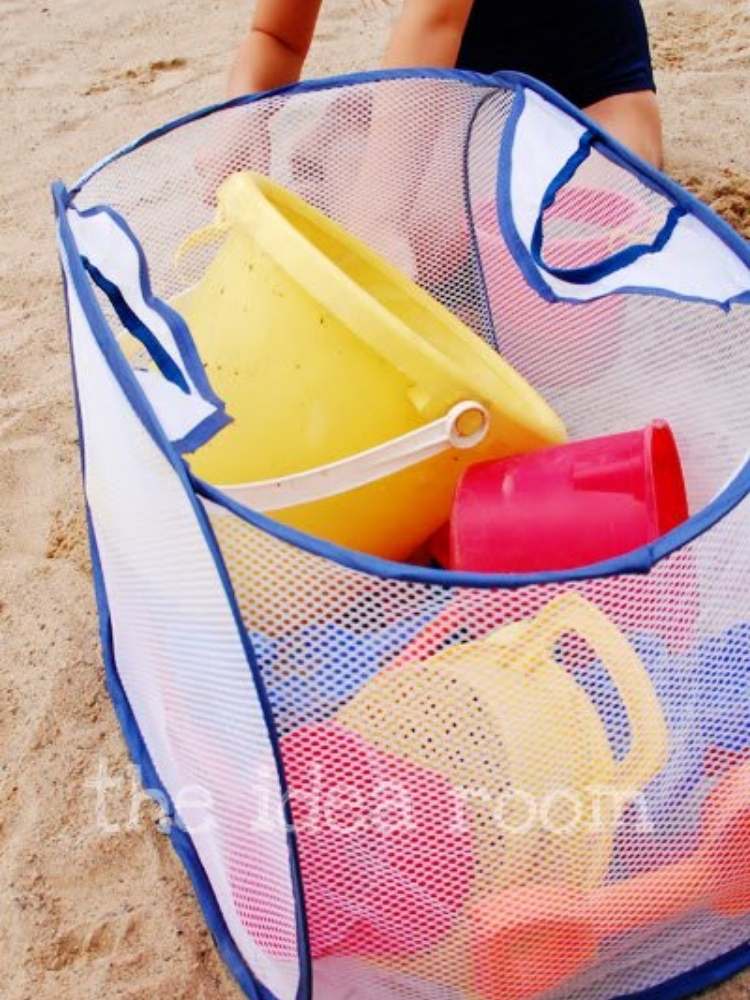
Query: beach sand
85	912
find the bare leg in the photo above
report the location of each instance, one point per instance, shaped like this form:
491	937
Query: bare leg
634	120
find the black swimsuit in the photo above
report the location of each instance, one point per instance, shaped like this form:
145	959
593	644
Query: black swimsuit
585	49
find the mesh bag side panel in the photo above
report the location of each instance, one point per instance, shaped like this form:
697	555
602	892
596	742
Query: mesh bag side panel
459	838
340	149
184	671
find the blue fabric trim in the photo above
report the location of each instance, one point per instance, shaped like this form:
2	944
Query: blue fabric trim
600	269
510	80
503	206
203	431
648	174
567	172
179	329
311	86
698	979
662	293
563	177
183	844
638	561
136	328
507	79
521	255
177	325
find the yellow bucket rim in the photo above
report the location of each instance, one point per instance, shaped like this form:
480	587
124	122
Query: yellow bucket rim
262	208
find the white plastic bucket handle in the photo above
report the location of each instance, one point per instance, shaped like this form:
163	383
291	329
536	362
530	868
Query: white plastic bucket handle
365	466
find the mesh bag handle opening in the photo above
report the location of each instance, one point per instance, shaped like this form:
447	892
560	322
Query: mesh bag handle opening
608	265
177	386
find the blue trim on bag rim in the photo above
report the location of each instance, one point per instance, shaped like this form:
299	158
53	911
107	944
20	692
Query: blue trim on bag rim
640	560
506	79
312	86
712	973
591	273
202	432
184	845
503	209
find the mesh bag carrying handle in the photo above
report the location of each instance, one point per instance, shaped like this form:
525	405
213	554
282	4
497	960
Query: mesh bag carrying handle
542	149
590	273
177	386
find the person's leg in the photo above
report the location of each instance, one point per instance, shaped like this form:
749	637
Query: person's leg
635	121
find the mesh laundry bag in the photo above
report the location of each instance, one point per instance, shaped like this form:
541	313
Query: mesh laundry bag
415	784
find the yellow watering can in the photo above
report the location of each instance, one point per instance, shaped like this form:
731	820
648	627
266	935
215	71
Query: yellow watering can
513	730
357	398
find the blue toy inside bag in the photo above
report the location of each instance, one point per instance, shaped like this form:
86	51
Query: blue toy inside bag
723	681
312	673
705	694
242	653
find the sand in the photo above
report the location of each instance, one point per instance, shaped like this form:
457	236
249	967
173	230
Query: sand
88	912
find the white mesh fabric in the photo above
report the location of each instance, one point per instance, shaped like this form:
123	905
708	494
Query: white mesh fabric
376	684
419	224
318	627
184	671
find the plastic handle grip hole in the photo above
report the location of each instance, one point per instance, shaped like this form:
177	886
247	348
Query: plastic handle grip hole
470	423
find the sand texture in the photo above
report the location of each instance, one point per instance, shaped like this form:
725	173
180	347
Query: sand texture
85	913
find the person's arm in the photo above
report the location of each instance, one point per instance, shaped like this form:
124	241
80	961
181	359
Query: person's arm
273	52
428	33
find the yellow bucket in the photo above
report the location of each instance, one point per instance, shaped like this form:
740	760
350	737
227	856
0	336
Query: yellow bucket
325	355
